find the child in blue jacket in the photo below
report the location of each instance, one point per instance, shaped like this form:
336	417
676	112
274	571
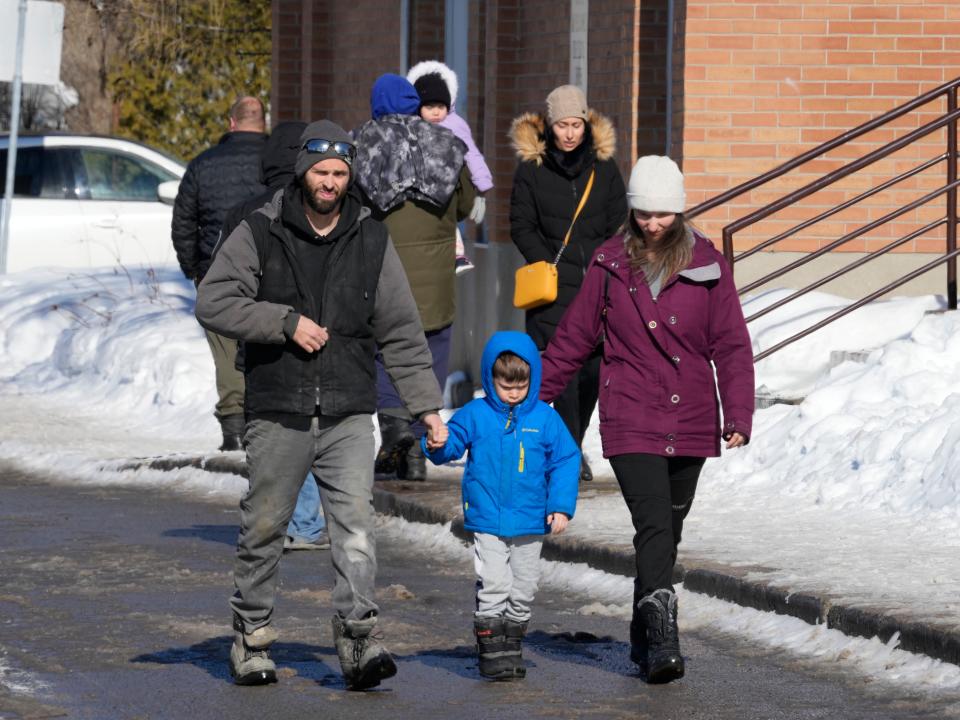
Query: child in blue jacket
520	483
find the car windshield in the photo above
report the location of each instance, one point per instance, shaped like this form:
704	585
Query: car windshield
109	175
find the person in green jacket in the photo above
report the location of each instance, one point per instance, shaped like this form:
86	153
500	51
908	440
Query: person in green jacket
414	179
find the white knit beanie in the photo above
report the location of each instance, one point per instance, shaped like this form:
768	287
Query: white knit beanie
656	185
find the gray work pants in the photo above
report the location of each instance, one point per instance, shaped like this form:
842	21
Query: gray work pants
508	573
280	452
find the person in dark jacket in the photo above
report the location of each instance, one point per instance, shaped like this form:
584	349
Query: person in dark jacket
215	181
415	180
664	299
558	153
520	483
307	529
313	286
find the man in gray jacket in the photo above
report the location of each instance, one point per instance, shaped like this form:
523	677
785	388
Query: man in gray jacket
313	286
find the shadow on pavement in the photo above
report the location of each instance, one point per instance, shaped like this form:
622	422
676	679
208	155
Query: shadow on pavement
581	648
226	534
461	660
213	656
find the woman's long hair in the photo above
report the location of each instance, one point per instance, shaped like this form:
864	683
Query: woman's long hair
667	258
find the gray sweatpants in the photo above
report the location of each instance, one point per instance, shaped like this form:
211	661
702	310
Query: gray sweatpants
508	572
339	452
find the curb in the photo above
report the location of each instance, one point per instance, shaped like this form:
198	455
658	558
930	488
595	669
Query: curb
715	581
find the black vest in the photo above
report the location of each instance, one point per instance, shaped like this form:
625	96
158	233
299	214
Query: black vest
341	378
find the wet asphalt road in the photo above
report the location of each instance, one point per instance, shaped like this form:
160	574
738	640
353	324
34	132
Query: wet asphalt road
113	604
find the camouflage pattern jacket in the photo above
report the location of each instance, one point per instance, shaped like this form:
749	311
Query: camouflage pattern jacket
403	157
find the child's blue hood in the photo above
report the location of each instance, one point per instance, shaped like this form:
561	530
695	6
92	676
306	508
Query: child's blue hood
519	344
393	94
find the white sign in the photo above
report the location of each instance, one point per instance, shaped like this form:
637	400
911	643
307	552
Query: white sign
42	43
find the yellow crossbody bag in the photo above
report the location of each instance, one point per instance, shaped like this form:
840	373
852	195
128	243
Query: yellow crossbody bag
535	284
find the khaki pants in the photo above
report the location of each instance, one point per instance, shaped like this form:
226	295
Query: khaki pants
229	379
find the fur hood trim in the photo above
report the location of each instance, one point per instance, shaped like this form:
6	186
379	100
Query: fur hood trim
528	136
434	66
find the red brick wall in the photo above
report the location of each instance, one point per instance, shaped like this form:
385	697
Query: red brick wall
426	31
327	55
525	54
325	61
764	82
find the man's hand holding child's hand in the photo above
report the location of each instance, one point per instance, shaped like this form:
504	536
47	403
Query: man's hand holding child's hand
557	522
437	432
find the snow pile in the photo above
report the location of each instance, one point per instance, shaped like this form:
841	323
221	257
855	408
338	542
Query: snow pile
795	369
882	434
127	345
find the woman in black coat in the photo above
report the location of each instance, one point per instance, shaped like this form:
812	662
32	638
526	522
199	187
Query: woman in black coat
558	151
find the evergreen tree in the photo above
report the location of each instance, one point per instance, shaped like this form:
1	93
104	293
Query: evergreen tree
183	65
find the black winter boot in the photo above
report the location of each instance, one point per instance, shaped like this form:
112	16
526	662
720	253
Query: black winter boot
497	660
413	466
515	632
363	660
232	427
638	641
658	611
586	474
395	440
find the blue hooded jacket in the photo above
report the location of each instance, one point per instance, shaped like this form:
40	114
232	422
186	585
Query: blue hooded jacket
522	464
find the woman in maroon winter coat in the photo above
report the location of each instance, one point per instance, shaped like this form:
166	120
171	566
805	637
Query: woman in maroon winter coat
663	301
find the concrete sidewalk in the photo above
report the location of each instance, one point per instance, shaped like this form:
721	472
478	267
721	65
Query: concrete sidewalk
437	500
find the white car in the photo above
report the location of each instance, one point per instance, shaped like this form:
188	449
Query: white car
88	201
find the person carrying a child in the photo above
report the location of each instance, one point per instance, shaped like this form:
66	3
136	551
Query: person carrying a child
520	483
437	87
412	176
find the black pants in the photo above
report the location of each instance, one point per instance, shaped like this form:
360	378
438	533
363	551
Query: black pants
659	493
576	403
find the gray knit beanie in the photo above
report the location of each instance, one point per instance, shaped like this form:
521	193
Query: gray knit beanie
322	130
566	101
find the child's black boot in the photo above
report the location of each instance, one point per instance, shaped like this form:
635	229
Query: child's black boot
497	662
515	632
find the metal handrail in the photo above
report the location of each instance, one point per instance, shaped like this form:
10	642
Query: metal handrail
948	119
844	239
859	303
847	268
841	207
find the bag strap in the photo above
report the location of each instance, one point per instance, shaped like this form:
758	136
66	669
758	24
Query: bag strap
583	201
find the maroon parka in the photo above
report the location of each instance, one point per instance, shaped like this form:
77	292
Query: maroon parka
657	388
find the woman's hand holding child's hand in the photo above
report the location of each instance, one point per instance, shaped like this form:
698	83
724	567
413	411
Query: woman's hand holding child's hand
557	522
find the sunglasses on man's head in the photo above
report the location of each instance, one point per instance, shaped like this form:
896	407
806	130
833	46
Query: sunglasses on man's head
343	149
